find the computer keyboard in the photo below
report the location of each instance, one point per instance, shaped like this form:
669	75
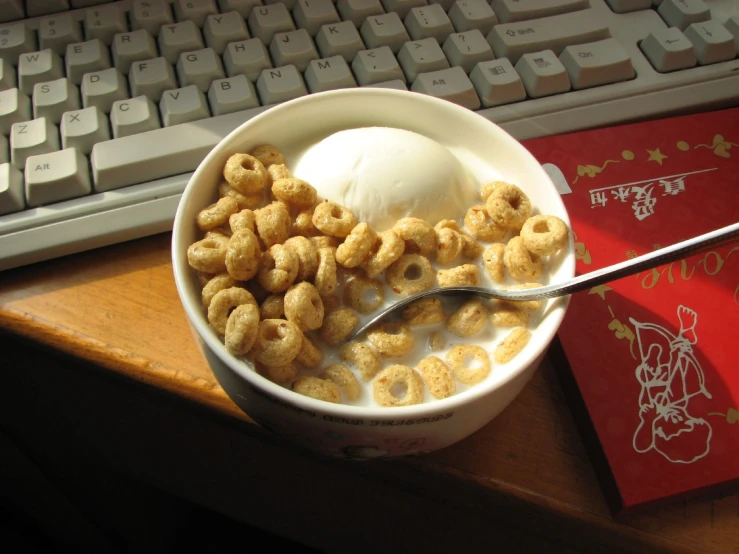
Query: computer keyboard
106	108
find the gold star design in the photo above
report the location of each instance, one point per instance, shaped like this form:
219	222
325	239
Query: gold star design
656	156
600	290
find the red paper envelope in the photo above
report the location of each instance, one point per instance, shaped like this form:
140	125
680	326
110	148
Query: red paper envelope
654	358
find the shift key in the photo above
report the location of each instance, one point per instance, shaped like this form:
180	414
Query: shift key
512	40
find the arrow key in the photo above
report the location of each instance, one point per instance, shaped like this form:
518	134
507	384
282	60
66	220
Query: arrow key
668	50
711	41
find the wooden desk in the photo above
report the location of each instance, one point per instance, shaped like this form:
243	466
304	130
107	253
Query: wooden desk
524	482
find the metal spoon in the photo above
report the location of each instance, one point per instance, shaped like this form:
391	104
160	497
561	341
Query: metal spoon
598	277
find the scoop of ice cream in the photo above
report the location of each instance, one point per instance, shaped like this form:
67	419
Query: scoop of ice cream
383	174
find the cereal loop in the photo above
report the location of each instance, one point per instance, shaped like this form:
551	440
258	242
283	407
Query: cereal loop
362	356
492	259
544	234
277	172
487	189
418	235
279	268
303	306
469	363
279	373
208	255
244	219
469	320
325	279
522	265
357	246
340	375
462	275
426	311
215	284
364	295
245	201
481	226
310	355
398	385
392	339
268	155
241	329
511	345
273	307
324	241
338	326
273	223
277	343
508	206
243	255
303	224
295	191
333	219
387	249
245	173
470	247
307	256
449	245
217	214
223	302
320	389
437	376
410	274
510	318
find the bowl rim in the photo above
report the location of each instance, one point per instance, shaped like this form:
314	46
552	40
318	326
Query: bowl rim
199	323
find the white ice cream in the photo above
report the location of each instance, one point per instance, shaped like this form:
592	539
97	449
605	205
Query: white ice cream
383	174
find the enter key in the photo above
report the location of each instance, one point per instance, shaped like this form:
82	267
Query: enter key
597	63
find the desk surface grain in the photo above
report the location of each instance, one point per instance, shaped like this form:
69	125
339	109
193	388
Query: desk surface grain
118	308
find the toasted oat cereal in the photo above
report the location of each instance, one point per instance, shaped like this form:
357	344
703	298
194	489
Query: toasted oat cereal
303	306
425	311
362	356
333	219
277	343
357	246
268	155
307	256
203	278
320	389
208	255
241	329
470	247
259	293
417	234
544	234
279	373
387	249
295	192
344	379
325	279
217	215
492	259
303	224
437	376
363	294
275	172
487	189
470	363
223	302
392	339
243	219
410	274
331	302
273	223
508	206
526	305
273	307
522	265
278	269
449	244
507	317
338	326
398	385
218	232
245	201
245	173
309	355
437	341
462	275
243	255
482	227
511	345
215	284
469	319
324	241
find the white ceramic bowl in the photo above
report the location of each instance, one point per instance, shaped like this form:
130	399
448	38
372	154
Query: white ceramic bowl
359	432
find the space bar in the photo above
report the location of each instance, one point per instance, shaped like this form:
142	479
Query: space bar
160	153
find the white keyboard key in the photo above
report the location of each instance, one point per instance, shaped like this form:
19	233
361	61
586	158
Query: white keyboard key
446	4
15	39
101	88
402	7
83	129
52	99
511	40
428	22
448	84
232	95
178	38
712	42
10	10
84	57
11	189
542	74
56	176
497	83
732	25
597	63
329	74
199	68
681	13
194	10
509	11
293	47
467	49
265	21
384	30
132	116
30	138
57	32
421	56
38	67
183	105
376	66
339	39
311	15
357	11
221	29
248	57
150	15
104	23
243	7
626	6
395	84
151	78
7	76
472	14
280	84
14	108
132	47
668	50
86	3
